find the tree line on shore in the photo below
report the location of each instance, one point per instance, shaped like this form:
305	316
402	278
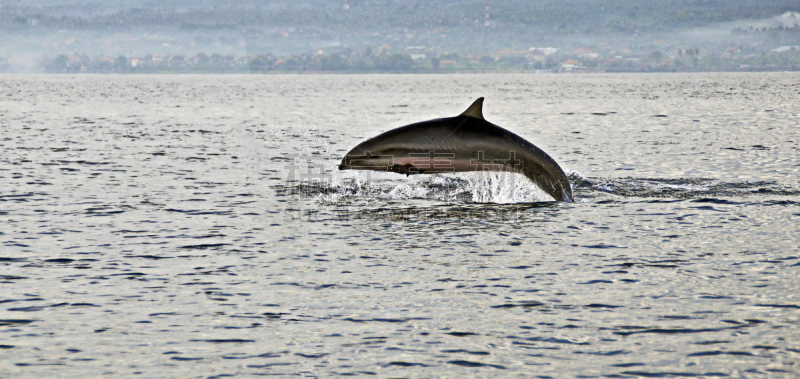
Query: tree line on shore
366	62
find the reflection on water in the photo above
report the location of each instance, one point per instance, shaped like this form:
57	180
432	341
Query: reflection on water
196	226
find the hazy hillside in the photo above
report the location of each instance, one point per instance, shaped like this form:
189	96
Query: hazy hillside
33	30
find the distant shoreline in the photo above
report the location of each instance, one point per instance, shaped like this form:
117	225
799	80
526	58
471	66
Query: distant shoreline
268	73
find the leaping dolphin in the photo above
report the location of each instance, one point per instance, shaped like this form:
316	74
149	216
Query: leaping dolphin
463	143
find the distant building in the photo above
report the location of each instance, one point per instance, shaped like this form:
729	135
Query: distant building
784	48
543	50
570	65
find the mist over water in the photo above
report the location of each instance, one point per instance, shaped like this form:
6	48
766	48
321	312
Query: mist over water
195	226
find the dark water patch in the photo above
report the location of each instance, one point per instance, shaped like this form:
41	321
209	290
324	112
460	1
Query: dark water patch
720	352
389	320
11	243
8	278
198	283
462	351
6	346
522	304
780	202
716	201
461	334
19	196
24	364
153	257
204	246
129	274
186	359
604	246
103	211
311	356
230	340
273	315
670	374
16	300
603	306
270	365
7	322
645	330
785	306
604	353
36	308
9	259
89	163
765	347
623	365
60	260
475	364
677	317
405	364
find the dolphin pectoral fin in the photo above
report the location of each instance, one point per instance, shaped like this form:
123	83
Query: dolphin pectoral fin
475	110
405	169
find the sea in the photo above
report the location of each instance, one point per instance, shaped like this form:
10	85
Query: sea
198	227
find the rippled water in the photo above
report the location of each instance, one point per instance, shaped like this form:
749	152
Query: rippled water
193	226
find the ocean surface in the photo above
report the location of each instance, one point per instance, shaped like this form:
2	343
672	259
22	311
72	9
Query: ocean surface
196	226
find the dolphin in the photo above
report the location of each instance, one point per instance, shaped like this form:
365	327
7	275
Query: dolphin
466	142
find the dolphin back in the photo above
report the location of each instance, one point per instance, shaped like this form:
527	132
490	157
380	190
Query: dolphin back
535	164
463	143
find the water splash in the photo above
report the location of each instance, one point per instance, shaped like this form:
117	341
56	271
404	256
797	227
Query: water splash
509	188
478	187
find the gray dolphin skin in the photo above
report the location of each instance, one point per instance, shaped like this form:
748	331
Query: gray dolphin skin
463	143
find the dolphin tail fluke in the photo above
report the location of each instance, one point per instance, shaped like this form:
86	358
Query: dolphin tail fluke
560	190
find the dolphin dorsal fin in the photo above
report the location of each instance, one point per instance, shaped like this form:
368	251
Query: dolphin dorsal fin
475	110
